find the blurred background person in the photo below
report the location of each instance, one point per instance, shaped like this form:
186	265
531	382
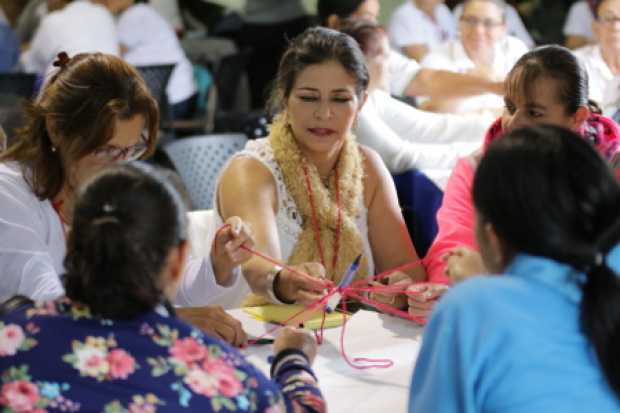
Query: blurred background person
418	26
482	47
602	60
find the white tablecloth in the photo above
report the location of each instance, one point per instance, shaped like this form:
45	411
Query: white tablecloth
368	334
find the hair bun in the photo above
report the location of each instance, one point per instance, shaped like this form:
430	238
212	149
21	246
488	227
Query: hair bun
62	60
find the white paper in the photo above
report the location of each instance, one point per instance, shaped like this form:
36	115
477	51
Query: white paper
368	334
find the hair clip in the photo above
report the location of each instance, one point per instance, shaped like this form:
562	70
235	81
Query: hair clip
62	60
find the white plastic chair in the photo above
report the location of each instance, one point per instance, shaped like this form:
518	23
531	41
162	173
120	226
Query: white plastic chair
199	161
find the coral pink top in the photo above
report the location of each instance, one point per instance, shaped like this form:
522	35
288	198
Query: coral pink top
456	218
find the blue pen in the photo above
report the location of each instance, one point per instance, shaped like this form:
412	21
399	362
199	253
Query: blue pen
344	282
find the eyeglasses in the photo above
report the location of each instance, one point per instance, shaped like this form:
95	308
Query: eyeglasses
486	23
131	153
609	19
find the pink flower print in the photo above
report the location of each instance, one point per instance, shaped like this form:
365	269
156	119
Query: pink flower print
121	364
142	408
201	382
274	409
11	338
227	383
188	350
32	328
92	361
21	396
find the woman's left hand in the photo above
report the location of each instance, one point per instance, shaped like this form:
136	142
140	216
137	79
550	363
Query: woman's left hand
395	294
422	297
226	252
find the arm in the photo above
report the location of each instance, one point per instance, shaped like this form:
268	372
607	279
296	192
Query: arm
247	190
291	369
418	126
446	84
397	152
27	263
387	232
455	219
416	51
576	41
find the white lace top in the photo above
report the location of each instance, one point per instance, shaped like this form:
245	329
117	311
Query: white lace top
288	219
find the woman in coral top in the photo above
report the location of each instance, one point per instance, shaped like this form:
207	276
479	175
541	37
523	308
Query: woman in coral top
546	86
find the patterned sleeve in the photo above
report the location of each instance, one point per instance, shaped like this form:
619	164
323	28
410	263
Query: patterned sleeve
292	372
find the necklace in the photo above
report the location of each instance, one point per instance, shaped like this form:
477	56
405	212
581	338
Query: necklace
315	220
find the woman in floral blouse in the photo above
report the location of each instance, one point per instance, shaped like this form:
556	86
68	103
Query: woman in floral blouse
113	345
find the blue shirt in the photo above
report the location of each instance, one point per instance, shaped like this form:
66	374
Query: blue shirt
512	343
9	48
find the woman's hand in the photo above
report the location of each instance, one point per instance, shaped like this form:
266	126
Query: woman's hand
306	286
226	252
463	263
397	283
216	322
422	297
293	338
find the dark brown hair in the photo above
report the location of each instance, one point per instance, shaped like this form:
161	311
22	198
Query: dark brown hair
83	98
549	165
126	222
368	34
314	46
553	62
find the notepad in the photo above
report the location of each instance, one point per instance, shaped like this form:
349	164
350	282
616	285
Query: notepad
280	313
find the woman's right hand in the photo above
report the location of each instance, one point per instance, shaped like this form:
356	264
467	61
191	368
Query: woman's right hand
294	338
463	263
305	286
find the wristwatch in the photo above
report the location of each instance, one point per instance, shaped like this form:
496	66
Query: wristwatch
272	278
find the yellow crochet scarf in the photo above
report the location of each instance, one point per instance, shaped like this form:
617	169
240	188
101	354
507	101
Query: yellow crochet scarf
350	169
350	172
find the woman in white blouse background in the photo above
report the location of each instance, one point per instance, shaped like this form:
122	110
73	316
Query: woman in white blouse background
602	60
483	47
93	111
146	38
406	137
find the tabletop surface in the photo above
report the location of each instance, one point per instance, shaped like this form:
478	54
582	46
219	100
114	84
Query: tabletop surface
370	335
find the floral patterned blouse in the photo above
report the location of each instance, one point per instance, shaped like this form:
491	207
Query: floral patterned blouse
56	357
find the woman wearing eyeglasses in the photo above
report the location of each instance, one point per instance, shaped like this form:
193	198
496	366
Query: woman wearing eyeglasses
602	60
482	48
94	110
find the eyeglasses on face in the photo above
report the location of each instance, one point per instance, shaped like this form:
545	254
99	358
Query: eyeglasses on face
475	21
131	153
608	19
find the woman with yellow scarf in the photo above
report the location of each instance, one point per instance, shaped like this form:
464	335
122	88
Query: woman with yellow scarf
312	195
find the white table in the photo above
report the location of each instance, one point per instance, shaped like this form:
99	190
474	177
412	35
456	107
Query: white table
368	334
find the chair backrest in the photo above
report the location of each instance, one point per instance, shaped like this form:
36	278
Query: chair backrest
156	78
199	161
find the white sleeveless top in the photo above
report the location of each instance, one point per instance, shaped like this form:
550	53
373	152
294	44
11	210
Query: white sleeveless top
288	219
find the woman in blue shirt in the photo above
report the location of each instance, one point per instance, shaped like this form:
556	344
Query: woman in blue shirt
113	343
545	335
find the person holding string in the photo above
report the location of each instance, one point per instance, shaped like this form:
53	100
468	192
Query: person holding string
122	349
94	110
542	333
314	197
546	85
